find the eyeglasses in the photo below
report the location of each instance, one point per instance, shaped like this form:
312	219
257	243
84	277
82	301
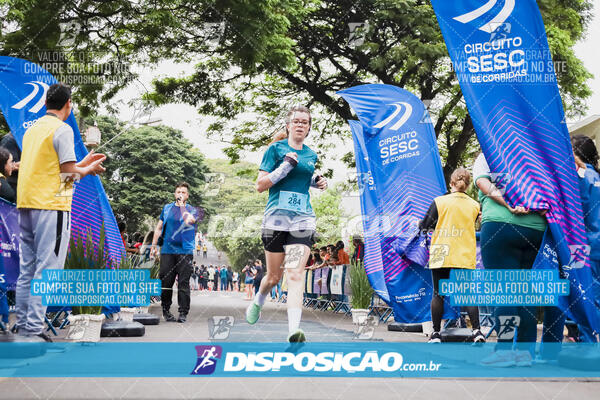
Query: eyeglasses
299	122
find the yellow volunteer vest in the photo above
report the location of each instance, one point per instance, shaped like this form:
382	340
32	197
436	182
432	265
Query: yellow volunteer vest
39	185
453	241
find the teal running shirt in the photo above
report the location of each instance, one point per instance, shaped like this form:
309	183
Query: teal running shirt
288	207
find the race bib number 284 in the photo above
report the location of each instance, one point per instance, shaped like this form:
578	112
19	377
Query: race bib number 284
293	201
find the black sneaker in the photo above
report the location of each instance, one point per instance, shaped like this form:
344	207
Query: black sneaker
14	329
182	318
168	316
45	337
435	338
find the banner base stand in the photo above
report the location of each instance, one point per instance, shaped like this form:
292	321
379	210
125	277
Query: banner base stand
146	318
122	329
403	327
457	335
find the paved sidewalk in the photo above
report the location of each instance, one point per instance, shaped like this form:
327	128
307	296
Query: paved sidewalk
320	326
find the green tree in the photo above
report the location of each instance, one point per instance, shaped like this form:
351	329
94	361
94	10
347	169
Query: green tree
275	53
74	41
402	46
234	226
143	166
330	215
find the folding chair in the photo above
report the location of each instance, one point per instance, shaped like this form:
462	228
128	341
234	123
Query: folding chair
310	300
342	304
373	308
387	314
60	318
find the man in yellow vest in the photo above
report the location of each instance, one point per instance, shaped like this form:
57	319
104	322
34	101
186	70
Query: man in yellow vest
44	206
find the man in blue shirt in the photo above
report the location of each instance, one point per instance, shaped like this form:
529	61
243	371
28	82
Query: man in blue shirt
176	226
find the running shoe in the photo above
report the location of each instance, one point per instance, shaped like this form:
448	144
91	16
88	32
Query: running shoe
435	338
478	337
168	316
500	358
45	337
523	358
252	313
297	336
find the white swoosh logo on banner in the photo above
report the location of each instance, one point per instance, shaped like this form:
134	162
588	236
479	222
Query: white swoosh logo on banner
401	121
470	16
38	106
509	6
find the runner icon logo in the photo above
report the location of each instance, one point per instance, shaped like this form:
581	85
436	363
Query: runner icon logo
219	327
500	31
579	253
365	329
207	359
508	323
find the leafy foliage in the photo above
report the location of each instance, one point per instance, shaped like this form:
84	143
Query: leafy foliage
360	286
142	168
235	223
402	46
330	215
268	55
84	254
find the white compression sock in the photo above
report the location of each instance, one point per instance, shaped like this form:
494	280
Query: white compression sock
260	299
294	317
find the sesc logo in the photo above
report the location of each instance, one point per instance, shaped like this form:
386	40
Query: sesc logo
40	103
494	23
402	120
207	359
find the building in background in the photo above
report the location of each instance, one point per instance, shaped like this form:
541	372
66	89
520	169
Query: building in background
589	127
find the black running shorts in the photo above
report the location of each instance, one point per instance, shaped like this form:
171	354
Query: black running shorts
274	241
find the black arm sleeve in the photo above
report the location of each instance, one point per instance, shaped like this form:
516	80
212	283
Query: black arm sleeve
430	220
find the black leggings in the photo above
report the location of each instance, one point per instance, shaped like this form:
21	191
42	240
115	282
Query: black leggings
437	301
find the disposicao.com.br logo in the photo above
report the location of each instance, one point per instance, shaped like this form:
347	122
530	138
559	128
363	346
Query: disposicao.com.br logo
370	361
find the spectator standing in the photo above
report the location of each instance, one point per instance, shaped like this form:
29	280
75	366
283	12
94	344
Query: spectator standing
342	256
176	225
248	281
510	238
454	211
211	277
223	276
9	143
7	166
44	217
194	277
359	249
258	275
217	277
236	281
230	278
203	275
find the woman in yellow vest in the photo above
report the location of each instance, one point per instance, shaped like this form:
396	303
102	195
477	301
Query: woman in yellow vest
452	218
